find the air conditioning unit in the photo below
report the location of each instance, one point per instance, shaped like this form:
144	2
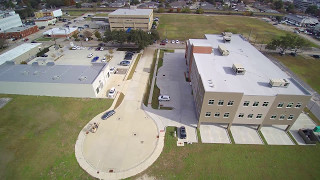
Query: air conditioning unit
227	38
238	69
223	50
279	82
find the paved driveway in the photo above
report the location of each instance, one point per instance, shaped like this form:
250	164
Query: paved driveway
276	135
245	134
171	81
214	134
303	122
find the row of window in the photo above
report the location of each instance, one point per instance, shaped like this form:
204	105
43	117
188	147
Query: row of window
250	116
255	103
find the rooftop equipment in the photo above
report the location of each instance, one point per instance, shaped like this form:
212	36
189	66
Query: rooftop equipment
227	38
279	83
238	69
227	34
223	50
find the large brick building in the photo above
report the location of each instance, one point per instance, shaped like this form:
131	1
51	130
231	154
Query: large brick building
19	32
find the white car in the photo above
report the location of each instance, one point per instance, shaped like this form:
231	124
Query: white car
177	41
103	59
112	92
173	41
74	48
113	70
90	55
164	98
101	48
78	47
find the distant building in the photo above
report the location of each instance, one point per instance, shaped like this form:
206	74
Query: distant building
61	32
54	80
301	20
48	12
149	5
178	4
304	4
45	21
233	83
9	19
206	5
19	32
20	53
131	19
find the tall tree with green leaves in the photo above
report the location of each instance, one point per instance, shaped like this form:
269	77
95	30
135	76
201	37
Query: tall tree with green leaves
286	42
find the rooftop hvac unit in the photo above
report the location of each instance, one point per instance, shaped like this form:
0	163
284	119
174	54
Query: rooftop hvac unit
82	78
227	38
238	69
55	77
279	83
210	83
223	50
227	34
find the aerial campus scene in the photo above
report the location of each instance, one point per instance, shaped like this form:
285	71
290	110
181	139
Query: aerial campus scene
134	89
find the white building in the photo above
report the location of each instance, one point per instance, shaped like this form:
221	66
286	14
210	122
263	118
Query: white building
9	20
54	80
45	21
61	32
20	53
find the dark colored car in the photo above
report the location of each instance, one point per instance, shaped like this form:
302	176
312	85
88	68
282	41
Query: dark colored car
33	41
42	27
128	57
163	43
95	59
316	56
125	63
183	133
44	55
108	114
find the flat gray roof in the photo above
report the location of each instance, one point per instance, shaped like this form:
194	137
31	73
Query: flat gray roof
17	51
131	12
259	69
19	29
70	74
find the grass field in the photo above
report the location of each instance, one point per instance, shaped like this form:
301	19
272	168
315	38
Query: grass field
38	134
44	39
222	161
308	69
185	26
133	69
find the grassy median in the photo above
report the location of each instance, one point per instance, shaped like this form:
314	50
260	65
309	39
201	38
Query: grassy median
38	134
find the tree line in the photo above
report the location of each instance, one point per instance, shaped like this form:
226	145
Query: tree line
287	42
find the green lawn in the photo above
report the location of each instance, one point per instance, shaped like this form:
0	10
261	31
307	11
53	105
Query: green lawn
133	69
38	134
44	39
223	161
185	26
308	69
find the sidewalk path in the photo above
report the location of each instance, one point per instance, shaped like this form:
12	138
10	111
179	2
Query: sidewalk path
128	142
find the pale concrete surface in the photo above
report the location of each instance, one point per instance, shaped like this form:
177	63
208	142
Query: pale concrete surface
214	134
276	135
4	101
243	134
127	143
303	122
174	84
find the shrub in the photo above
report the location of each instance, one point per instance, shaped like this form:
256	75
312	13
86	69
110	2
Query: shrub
178	10
171	10
200	11
186	10
161	10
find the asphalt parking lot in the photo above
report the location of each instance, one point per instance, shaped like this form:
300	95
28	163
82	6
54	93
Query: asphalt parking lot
276	135
303	122
214	133
245	134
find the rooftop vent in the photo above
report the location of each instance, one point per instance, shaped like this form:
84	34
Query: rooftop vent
223	50
210	83
55	77
238	69
82	78
279	83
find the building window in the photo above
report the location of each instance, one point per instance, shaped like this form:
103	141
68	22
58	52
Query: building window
298	105
273	116
265	103
226	115
255	104
241	115
211	101
282	116
97	90
290	104
259	116
217	114
208	114
250	116
280	105
220	103
246	103
290	117
230	103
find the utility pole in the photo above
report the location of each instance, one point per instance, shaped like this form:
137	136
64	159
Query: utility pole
250	35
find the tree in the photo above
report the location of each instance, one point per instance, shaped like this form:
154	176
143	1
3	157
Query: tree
186	10
87	34
290	8
161	10
313	10
75	35
278	18
178	10
285	42
200	11
107	36
278	4
78	5
135	2
97	34
171	10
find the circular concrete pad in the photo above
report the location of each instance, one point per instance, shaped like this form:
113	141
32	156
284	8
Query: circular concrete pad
123	141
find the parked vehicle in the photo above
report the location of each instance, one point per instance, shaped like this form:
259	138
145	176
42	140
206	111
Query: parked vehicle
164	98
177	41
44	55
26	39
316	56
99	49
108	114
125	63
113	70
95	59
33	41
128	57
183	133
90	55
112	92
173	41
42	27
163	44
74	48
103	59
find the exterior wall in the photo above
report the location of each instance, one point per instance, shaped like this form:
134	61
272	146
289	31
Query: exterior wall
25	56
143	22
101	80
246	110
57	13
47	89
10	22
274	110
222	109
64	35
20	34
197	89
40	23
